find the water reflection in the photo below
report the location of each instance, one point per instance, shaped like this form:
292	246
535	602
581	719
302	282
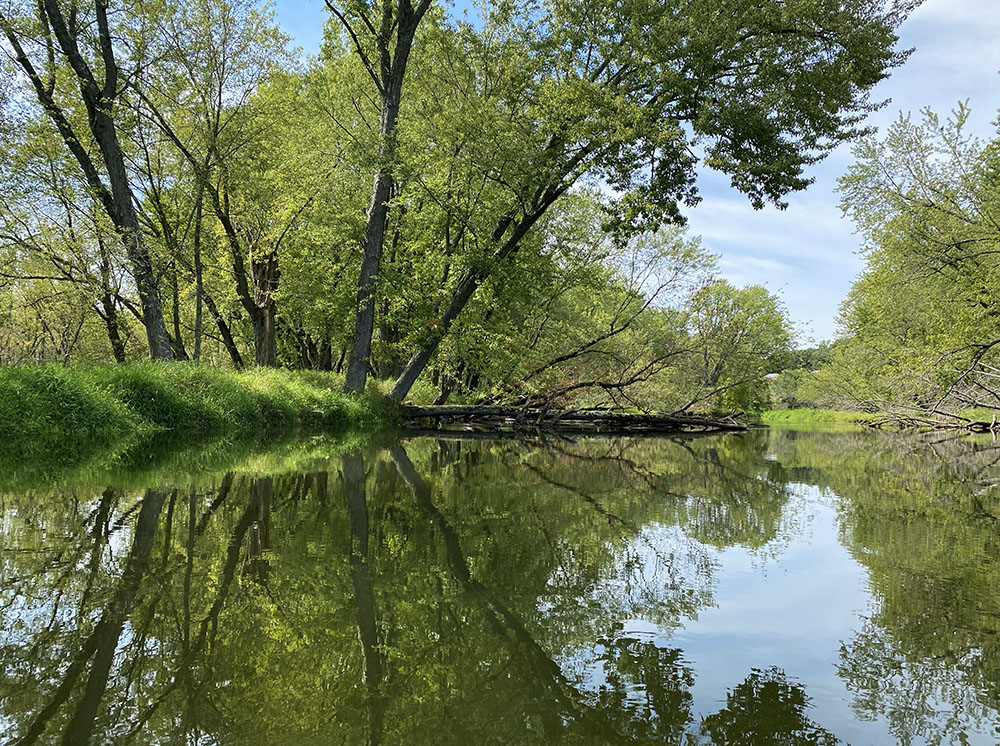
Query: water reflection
502	592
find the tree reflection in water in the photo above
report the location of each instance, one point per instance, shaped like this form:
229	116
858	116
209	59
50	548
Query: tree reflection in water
453	592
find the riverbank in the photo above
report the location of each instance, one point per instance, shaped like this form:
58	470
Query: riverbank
806	416
67	412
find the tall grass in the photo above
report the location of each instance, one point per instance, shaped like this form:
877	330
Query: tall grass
68	412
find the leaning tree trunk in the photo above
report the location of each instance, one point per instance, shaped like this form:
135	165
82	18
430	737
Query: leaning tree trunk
225	332
127	223
464	290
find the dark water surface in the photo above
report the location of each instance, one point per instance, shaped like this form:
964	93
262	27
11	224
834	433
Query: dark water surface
775	587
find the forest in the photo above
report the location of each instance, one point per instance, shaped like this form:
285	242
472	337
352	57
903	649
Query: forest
479	206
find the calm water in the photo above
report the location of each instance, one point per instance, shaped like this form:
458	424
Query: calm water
774	587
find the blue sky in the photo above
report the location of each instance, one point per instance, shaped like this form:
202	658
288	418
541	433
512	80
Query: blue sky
808	253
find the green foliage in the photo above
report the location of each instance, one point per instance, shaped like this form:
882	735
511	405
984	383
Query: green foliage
740	335
919	326
811	358
505	255
802	383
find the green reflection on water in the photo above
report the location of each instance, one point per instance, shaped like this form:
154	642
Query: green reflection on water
507	592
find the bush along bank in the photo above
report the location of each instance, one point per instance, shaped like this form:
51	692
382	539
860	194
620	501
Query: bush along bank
66	412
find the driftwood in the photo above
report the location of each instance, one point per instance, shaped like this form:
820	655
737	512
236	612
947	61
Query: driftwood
909	422
472	417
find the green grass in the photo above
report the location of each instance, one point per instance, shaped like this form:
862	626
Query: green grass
68	413
980	414
806	416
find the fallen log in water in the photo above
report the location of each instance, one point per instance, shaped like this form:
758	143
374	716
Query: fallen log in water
573	421
909	422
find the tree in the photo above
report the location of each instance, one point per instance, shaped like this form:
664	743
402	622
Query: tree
382	35
922	322
626	93
739	336
72	37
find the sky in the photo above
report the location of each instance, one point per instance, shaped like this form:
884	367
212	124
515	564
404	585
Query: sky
808	253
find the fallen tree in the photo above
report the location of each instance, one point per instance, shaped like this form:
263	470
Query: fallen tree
496	418
946	421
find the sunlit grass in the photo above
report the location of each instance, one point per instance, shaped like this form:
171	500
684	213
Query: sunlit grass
68	412
805	416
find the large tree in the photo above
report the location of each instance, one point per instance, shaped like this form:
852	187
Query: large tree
922	324
382	34
637	94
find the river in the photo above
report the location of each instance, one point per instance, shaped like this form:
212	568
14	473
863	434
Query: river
771	587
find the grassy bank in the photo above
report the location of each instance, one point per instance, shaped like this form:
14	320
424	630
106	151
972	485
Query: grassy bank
66	413
806	416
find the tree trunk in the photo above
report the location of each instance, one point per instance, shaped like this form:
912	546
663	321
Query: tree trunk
310	354
364	319
199	289
265	282
392	69
447	383
110	314
178	341
467	286
264	341
112	324
226	332
127	222
302	344
326	355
